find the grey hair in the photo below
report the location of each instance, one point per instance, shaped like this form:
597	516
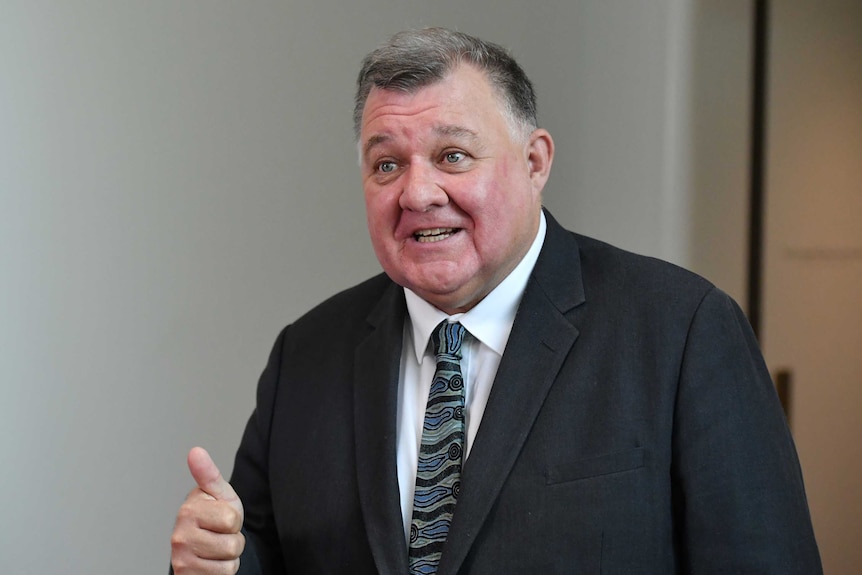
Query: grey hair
414	59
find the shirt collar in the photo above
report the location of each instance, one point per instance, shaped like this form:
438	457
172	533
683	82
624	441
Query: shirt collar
490	321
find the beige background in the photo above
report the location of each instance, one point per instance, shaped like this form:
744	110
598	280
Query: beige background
813	275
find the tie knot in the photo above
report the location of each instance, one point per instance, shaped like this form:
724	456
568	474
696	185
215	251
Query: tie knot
447	338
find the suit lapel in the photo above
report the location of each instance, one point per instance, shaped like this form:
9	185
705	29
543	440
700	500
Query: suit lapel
541	339
377	365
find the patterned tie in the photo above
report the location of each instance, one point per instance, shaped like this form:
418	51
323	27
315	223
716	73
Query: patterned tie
438	476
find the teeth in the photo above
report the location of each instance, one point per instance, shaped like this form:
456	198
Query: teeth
434	235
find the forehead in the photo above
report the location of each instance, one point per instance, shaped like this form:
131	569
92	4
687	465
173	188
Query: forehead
460	103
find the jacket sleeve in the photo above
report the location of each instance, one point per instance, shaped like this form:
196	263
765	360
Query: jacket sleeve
737	484
250	477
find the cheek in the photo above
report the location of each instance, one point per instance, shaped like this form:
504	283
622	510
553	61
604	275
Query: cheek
374	216
505	209
382	215
498	200
378	206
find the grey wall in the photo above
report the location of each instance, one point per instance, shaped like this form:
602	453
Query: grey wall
178	181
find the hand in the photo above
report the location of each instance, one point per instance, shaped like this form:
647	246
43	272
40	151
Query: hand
207	538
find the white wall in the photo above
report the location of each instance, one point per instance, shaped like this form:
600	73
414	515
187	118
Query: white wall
178	181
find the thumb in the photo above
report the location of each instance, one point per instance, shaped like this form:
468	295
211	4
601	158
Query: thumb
209	478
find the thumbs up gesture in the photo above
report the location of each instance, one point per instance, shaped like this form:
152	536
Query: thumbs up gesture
206	538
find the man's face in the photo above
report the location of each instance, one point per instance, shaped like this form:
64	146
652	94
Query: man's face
452	199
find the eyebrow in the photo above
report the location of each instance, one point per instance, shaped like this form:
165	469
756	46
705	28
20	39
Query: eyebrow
374	140
457	132
451	131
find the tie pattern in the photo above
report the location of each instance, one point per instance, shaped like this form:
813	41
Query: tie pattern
438	475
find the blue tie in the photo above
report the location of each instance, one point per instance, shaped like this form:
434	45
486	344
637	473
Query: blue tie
438	475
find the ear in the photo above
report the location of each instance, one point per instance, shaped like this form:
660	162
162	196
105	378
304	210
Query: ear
540	156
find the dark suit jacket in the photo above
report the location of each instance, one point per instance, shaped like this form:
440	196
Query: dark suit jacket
632	428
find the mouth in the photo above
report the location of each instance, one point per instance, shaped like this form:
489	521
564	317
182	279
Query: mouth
434	235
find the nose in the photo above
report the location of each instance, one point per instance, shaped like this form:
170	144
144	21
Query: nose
422	189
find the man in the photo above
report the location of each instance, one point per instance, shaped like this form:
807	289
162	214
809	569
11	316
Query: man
618	416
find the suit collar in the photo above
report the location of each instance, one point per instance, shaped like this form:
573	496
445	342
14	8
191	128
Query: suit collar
558	270
377	363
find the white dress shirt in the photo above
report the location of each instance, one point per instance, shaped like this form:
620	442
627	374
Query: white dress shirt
488	325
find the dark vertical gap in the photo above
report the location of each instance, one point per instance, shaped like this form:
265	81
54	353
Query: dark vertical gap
758	158
784	387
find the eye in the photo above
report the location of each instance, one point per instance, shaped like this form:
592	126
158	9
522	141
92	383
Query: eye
454	157
386	167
